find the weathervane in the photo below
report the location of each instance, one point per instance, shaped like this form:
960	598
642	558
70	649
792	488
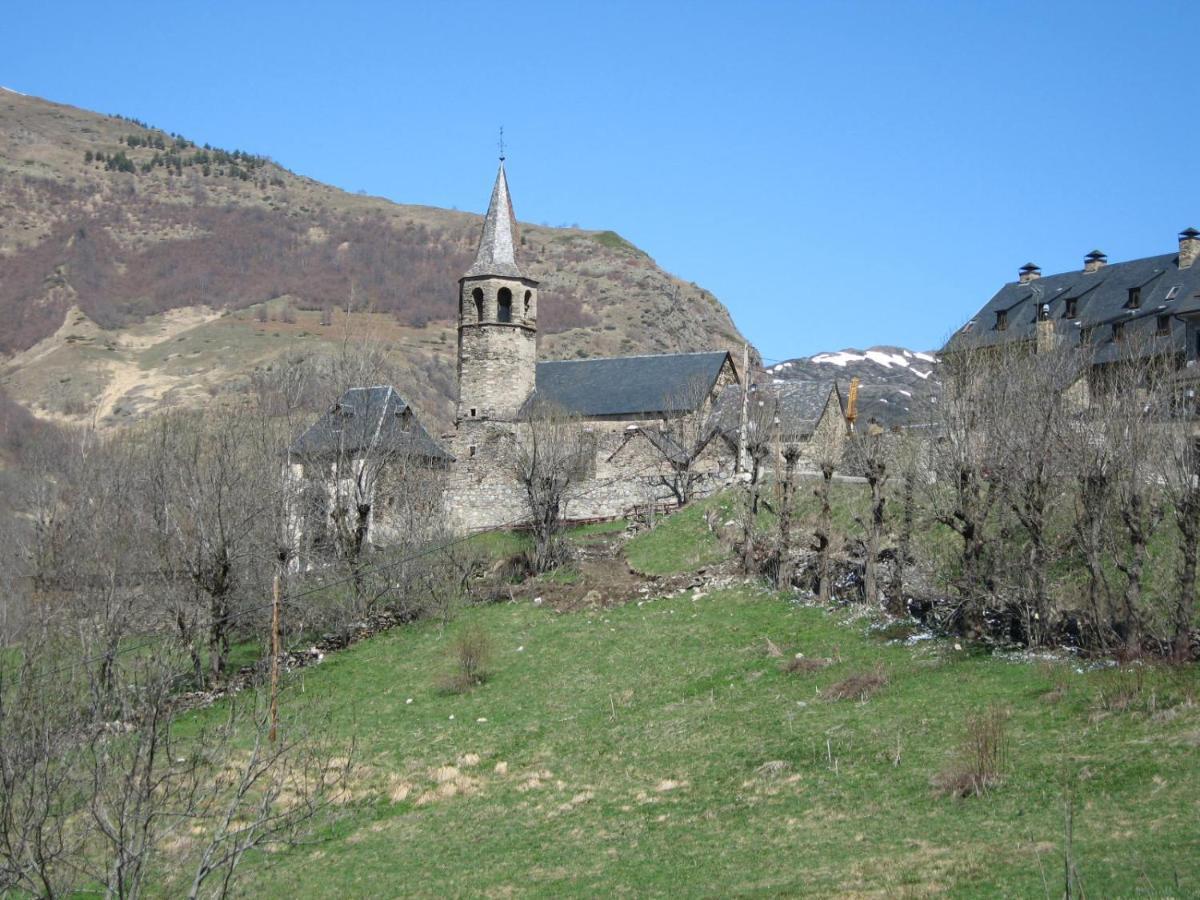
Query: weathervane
501	143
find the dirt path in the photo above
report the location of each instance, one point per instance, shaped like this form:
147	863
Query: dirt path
600	577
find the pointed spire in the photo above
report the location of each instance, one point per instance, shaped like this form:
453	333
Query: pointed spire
497	254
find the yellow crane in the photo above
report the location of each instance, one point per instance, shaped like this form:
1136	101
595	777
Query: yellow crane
852	403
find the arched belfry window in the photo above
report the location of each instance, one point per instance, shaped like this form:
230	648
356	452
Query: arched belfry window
504	305
528	300
477	296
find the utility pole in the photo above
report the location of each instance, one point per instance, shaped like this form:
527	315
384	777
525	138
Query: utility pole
276	591
740	465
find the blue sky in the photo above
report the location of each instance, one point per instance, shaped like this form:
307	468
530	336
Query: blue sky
839	174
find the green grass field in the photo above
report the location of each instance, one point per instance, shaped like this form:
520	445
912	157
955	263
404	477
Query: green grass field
658	749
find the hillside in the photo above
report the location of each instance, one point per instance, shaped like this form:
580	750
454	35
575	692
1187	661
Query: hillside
146	239
644	738
897	386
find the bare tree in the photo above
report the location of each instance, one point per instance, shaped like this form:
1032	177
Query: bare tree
762	431
1026	413
908	458
90	799
961	496
1182	484
550	455
867	455
682	437
823	534
787	508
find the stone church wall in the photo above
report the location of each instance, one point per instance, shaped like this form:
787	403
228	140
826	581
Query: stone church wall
627	473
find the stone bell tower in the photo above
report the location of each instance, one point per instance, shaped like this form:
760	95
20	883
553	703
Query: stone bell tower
497	321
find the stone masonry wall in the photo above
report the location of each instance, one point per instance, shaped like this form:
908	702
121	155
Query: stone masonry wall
497	367
625	475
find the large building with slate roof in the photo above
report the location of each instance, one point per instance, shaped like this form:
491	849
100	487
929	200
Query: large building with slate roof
1108	310
500	379
365	471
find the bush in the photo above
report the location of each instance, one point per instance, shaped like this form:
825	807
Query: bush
470	651
982	758
860	686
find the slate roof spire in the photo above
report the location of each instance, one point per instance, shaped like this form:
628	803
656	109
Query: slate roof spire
497	252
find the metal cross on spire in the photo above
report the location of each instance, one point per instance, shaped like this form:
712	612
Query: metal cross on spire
501	143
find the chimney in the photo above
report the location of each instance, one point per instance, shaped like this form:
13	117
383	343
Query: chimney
1030	272
1094	261
1189	247
1047	336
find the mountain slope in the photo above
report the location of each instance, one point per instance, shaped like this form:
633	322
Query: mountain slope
120	223
896	386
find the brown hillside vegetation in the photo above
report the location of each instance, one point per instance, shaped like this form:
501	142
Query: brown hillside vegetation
122	221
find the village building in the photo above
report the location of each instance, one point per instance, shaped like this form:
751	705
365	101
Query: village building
661	429
364	474
1107	311
635	408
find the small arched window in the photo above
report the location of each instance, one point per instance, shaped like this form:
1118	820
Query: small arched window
477	296
504	305
528	300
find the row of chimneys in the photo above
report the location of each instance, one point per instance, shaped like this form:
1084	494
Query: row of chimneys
1189	252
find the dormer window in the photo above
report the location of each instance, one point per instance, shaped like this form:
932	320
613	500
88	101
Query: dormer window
1002	320
1072	310
1118	332
1135	298
1164	326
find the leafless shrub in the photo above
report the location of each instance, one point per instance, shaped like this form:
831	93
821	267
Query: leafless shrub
471	651
860	686
551	455
802	665
981	759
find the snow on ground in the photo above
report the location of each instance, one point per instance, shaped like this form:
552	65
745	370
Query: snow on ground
844	357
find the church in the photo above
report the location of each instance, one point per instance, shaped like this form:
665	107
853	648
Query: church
634	408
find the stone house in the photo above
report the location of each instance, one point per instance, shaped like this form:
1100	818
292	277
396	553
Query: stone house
1147	306
638	409
807	415
365	473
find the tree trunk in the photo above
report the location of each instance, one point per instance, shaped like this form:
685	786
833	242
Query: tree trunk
895	601
783	575
874	535
822	537
1189	543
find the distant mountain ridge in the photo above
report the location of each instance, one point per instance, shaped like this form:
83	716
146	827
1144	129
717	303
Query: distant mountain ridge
897	386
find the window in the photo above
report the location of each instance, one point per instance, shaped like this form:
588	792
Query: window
1002	320
1072	310
1135	298
472	412
1118	333
1085	335
1164	325
528	300
477	294
1173	292
504	305
471	450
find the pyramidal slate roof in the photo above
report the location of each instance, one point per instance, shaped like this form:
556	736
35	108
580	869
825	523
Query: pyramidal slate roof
799	406
369	419
637	386
497	252
1095	301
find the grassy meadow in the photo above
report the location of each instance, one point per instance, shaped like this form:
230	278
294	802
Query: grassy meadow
659	748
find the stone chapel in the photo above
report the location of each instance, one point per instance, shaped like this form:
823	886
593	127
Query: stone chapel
625	403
